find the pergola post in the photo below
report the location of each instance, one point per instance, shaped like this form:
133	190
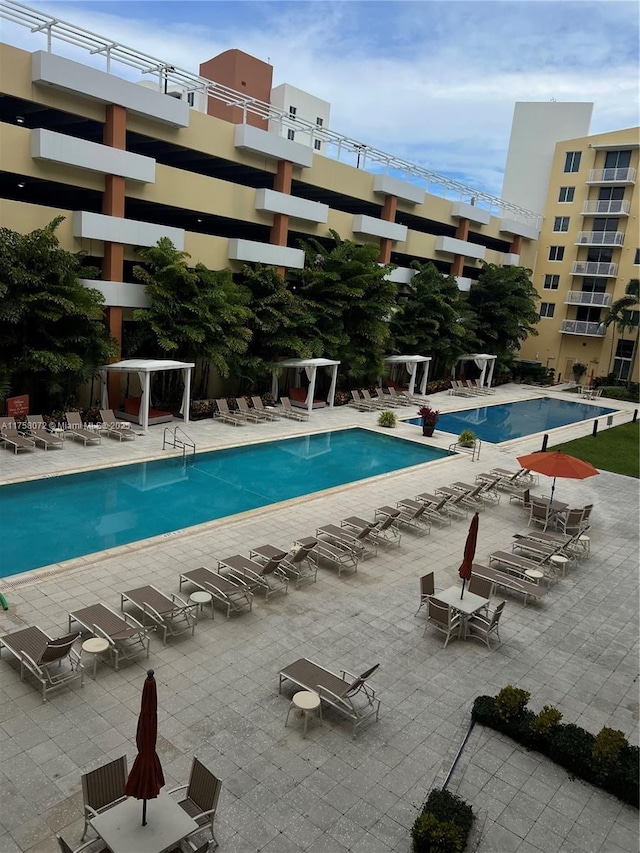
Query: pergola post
491	369
425	377
412	381
186	395
312	388
332	388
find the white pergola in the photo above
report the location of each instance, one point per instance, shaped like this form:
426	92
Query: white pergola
481	361
310	366
411	363
144	367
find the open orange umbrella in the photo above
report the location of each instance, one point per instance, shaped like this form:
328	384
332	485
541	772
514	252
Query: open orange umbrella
469	551
146	777
557	464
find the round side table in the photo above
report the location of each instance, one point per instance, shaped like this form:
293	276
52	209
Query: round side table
534	575
560	564
584	543
200	598
95	646
306	702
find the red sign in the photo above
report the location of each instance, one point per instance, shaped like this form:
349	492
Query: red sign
18	405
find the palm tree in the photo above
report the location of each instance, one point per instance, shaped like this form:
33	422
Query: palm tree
619	315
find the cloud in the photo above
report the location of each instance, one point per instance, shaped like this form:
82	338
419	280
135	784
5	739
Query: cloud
430	81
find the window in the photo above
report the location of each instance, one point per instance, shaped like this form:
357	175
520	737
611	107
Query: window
551	282
556	253
572	161
319	122
317	144
547	309
291	134
566	194
610	193
623	360
617	159
191	98
600	256
636	258
561	223
293	111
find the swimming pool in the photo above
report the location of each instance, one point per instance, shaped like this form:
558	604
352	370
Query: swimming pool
513	420
59	518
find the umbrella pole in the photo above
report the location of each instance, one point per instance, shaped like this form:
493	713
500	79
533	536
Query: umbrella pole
553	488
144	812
463	583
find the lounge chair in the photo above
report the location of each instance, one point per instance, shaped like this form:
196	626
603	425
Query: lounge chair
103	788
522	476
519	565
483	627
435	508
169	614
360	404
338	554
126	636
200	802
401	399
359	541
376	402
231	594
506	581
289	412
11	438
472	387
295	563
443	618
252	415
266	576
113	427
410	516
471	495
76	429
269	412
459	390
454	506
385	532
41	435
235	418
43	656
386	401
348	694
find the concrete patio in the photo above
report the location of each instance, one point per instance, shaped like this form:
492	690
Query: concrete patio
218	691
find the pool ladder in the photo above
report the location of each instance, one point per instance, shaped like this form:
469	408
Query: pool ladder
170	438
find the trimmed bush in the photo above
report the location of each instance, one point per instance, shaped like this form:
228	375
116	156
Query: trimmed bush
387	419
444	824
606	761
511	702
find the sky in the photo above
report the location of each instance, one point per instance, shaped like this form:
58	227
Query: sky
428	81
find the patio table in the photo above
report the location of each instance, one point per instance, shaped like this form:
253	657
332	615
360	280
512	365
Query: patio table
466	606
120	827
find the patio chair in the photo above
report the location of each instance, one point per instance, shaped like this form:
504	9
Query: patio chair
75	429
47	440
169	614
52	661
235	418
427	589
66	848
482	627
114	428
103	788
267	576
360	541
252	415
295	563
348	694
479	586
231	594
523	497
11	438
293	414
540	513
384	532
126	636
202	793
569	521
586	515
269	413
443	618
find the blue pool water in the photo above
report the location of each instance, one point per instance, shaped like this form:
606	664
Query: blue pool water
513	420
50	520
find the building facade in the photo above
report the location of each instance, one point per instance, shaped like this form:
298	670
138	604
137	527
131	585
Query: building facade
587	254
300	105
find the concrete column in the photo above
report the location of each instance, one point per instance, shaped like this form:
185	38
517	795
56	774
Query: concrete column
389	215
457	265
280	227
516	245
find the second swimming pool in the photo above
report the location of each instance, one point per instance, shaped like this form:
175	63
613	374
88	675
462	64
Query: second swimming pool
59	518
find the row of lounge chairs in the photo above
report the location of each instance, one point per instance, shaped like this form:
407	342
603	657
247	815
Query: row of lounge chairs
31	433
364	402
258	413
469	388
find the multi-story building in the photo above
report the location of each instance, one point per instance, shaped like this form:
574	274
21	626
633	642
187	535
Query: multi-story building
587	253
313	111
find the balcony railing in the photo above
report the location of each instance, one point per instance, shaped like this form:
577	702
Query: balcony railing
582	327
594	268
600	238
582	297
612	176
621	207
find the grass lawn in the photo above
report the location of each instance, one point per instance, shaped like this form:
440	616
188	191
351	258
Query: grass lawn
615	449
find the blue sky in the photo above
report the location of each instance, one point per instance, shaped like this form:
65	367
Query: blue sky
433	82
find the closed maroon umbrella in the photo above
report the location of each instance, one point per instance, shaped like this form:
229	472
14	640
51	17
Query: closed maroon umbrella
469	551
146	777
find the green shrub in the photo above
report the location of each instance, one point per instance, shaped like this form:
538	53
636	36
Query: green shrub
431	835
446	806
546	720
387	419
607	749
511	702
467	438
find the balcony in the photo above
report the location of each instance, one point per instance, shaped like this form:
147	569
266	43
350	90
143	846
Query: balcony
600	238
619	207
622	177
582	327
594	268
582	297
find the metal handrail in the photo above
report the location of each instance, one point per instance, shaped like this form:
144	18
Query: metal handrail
54	28
185	442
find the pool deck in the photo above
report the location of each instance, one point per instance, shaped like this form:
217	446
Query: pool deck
218	691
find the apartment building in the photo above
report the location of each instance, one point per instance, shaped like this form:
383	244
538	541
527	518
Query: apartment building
298	104
588	252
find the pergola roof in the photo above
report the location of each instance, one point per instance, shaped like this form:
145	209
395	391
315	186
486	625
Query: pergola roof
473	356
146	365
306	362
404	359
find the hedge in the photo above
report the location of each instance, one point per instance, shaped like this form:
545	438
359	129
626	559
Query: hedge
444	824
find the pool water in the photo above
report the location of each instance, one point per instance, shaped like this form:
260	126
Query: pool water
514	420
47	521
